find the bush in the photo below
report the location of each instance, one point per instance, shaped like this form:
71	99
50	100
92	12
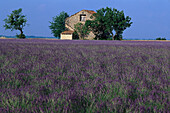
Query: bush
163	38
109	38
75	35
160	38
118	37
21	36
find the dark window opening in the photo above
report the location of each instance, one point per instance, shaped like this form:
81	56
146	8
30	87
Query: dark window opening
83	17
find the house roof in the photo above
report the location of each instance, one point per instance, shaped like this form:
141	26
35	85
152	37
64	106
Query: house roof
89	11
66	32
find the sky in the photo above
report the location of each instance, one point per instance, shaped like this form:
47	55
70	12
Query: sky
151	18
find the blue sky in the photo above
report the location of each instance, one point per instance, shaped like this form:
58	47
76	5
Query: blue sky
151	18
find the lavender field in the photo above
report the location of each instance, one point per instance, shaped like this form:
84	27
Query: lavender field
84	76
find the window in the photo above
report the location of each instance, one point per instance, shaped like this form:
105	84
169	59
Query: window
83	17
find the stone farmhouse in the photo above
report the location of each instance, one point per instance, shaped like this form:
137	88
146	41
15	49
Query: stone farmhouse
79	17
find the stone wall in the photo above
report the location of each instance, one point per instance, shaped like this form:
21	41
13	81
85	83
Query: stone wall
74	19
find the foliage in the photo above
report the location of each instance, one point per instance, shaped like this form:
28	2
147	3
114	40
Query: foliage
97	26
82	30
21	36
75	35
106	20
160	38
120	23
16	21
84	76
58	24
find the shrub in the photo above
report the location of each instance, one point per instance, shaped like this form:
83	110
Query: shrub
163	38
75	35
21	36
159	38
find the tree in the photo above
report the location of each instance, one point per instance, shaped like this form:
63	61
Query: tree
81	30
98	29
58	24
106	20
120	23
16	21
97	25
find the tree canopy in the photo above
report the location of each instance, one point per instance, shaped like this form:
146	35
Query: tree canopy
107	20
16	21
81	30
58	24
97	26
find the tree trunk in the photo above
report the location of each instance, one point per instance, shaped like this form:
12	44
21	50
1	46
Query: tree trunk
81	38
21	31
112	35
21	35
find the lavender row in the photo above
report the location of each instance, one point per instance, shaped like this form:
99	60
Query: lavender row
84	76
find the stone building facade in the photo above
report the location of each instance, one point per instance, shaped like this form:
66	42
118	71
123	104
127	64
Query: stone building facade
79	17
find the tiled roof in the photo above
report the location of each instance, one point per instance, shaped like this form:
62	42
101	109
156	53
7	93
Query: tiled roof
65	32
89	11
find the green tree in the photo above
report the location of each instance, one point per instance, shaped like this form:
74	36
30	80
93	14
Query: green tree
120	23
16	21
58	24
81	30
108	20
97	25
